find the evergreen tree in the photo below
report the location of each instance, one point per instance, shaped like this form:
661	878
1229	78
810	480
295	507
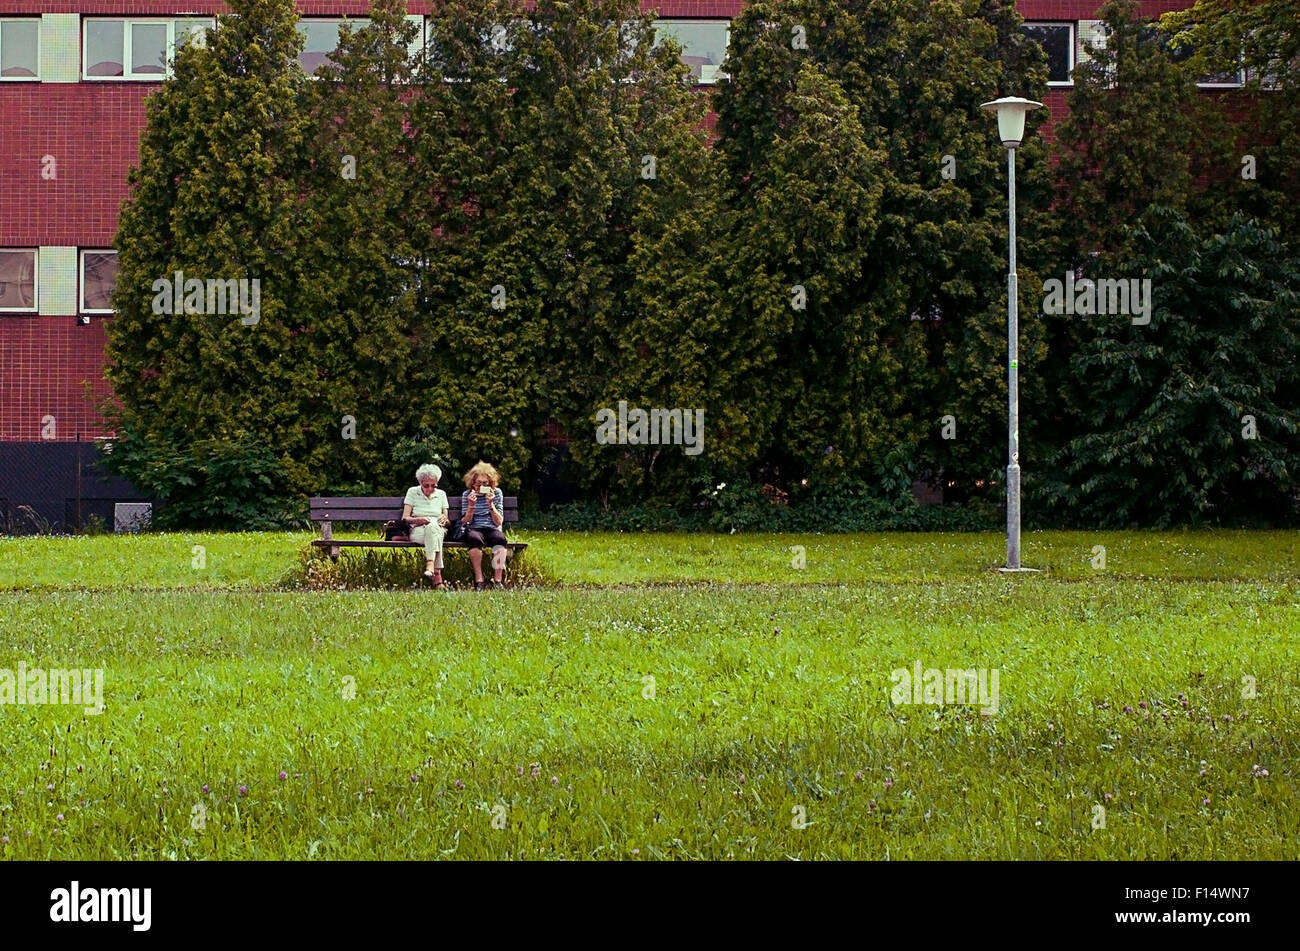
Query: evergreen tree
443	251
1194	417
361	277
533	133
1260	176
1137	134
909	323
1147	413
205	404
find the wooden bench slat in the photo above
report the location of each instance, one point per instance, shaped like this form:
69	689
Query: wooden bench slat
383	501
384	512
380	543
382	508
337	514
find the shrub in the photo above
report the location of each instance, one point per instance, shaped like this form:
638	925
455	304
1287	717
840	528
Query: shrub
396	569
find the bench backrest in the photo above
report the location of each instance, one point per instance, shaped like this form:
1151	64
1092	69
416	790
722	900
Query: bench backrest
381	508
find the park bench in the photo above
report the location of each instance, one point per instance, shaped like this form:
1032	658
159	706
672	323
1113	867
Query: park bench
327	511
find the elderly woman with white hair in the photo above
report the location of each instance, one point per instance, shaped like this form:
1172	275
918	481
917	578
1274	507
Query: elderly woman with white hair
425	508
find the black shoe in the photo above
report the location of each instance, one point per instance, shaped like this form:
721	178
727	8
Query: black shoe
480	585
498	585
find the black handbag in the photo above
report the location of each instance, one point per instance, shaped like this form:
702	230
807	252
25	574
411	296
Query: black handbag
397	530
456	533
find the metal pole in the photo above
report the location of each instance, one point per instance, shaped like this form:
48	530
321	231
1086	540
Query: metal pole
79	519
1013	377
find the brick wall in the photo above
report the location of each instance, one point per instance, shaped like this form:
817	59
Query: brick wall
51	367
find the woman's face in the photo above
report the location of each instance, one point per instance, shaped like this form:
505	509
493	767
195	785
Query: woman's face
480	481
427	485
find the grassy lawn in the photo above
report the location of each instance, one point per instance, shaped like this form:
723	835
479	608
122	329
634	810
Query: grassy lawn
263	560
660	696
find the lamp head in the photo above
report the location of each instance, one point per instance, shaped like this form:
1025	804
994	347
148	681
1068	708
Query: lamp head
1011	117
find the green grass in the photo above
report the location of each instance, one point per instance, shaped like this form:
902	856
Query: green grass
264	560
771	699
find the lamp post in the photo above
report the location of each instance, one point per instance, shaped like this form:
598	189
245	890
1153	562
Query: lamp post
1011	129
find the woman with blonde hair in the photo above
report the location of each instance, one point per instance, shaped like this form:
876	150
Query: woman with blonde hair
482	508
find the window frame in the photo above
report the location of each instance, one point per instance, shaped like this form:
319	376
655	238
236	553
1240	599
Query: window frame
415	49
718	75
37	23
1210	82
200	35
81	281
1071	49
128	27
36	282
1265	82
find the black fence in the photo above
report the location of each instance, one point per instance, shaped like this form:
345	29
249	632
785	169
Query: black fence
57	487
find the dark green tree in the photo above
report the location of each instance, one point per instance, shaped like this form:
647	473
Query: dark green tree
533	133
443	251
908	320
1260	177
217	196
1151	189
1137	134
725	296
360	284
1194	417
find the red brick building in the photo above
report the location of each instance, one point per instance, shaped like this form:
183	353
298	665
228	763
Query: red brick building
74	75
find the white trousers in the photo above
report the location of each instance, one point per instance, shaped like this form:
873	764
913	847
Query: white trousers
431	536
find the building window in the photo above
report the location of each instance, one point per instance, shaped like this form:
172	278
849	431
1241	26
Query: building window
1057	41
98	275
1267	79
185	32
321	38
1223	80
1229	80
703	43
20	53
18	280
1184	51
136	49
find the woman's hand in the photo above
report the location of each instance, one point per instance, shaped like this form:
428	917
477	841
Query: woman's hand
417	522
443	521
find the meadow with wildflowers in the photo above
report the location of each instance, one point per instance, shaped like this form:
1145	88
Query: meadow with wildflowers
652	696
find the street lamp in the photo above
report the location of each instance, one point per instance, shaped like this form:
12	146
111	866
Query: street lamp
1011	129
